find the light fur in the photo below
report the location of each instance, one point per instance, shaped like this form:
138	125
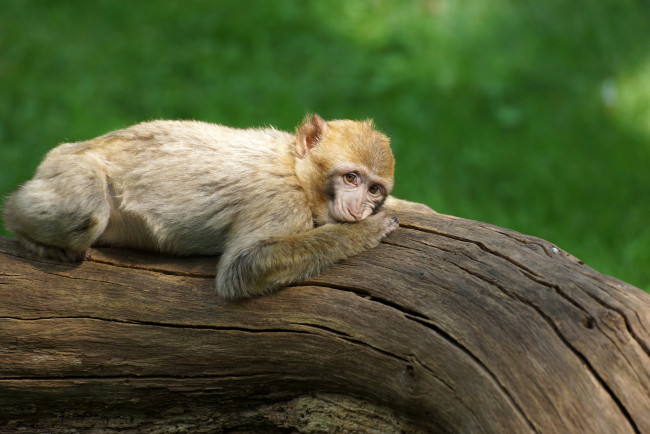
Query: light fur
187	187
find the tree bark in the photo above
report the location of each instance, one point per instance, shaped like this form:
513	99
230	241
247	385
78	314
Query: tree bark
449	325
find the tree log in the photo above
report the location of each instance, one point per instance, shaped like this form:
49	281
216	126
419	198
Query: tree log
449	325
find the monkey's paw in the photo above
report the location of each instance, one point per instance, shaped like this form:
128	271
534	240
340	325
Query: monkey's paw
51	252
379	227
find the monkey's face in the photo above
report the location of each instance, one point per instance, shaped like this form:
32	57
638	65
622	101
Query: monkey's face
355	194
346	168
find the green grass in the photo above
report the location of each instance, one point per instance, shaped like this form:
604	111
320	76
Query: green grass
530	115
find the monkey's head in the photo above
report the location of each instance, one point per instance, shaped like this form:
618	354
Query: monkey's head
346	168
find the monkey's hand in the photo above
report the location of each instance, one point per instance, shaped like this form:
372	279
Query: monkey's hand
376	228
262	266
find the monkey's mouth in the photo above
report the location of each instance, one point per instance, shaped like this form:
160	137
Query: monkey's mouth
340	212
355	217
351	217
338	217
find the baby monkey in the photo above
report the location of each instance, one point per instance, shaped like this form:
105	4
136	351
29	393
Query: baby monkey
278	207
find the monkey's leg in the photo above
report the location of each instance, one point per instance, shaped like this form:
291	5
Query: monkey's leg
59	217
261	267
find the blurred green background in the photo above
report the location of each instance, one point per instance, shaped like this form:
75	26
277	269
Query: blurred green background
532	115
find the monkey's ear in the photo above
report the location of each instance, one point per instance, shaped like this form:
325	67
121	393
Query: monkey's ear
310	133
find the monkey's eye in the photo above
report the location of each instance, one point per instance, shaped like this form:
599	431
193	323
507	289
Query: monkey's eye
374	189
350	178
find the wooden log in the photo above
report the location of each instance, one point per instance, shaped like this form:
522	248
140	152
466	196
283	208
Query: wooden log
449	325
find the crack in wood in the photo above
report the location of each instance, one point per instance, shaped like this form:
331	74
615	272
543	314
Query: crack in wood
38	260
461	398
157	270
522	269
346	337
364	293
109	263
500	386
109	378
536	309
538	279
618	288
425	321
555	288
86	279
628	326
534	277
159	324
325	328
481	246
569	345
428	244
409	360
525	240
339	334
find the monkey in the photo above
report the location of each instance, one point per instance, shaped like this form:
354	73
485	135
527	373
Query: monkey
278	207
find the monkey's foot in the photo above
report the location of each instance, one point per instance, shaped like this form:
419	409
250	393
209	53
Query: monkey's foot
53	252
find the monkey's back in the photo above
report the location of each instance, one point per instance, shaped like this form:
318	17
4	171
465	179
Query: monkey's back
183	187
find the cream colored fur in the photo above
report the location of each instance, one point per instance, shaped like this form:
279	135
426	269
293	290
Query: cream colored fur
187	187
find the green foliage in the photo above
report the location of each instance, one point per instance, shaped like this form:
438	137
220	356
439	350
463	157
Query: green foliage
529	115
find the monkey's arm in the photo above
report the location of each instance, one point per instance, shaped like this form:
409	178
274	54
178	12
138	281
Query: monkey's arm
260	267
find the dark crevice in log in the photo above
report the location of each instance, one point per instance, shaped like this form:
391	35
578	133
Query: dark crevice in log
625	319
326	329
501	288
425	321
566	341
537	279
620	405
341	335
479	244
530	274
158	270
452	391
477	361
330	331
85	279
647	332
73	265
626	322
554	250
423	249
160	324
533	277
25	256
108	378
365	294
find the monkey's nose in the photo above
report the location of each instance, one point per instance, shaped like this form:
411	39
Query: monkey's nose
362	214
356	215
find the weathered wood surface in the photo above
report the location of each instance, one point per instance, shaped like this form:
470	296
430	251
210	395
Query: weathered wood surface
449	325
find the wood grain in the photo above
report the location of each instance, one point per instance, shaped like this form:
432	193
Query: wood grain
449	325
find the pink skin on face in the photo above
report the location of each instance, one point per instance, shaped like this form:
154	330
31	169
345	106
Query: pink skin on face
357	194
